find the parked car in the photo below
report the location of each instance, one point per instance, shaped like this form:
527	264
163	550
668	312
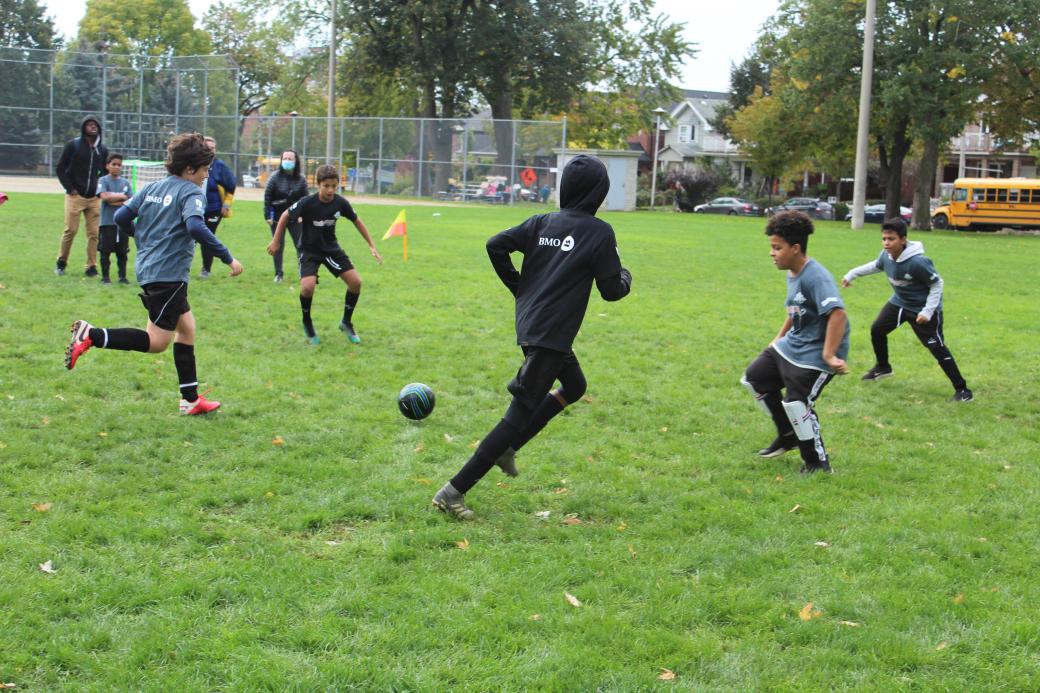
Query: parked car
875	214
729	205
249	181
816	208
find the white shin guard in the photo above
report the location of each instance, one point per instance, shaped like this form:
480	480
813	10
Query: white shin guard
802	419
760	398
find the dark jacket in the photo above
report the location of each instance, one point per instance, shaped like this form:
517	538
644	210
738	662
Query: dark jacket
564	253
80	165
282	192
220	186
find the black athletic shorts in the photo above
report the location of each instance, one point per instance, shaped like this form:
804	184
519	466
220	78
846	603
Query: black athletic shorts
336	263
166	303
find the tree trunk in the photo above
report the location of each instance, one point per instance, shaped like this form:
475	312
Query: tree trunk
502	112
894	180
922	218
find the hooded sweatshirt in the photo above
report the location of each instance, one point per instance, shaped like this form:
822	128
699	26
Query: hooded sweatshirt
564	252
81	163
916	284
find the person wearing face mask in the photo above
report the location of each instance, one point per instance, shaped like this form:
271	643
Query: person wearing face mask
285	188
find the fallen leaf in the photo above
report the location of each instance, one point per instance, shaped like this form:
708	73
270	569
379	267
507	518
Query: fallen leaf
571	599
779	478
983	539
419	448
851	624
464	544
3	446
8	686
278	440
543	514
559	491
424	482
102	434
474	444
571	520
822	544
589	459
622	527
808	613
41	507
587	400
664	429
1007	466
941	646
333	543
795	509
563	482
502	484
59	397
536	617
46	420
666	675
448	439
959	599
48	567
269	494
631	551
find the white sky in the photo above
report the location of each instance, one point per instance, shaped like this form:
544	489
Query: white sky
723	32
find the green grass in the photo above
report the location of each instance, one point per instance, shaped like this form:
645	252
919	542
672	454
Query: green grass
197	555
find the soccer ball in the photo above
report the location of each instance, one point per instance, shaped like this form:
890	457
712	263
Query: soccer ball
416	401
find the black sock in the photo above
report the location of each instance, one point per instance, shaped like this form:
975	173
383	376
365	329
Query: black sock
780	419
105	265
549	407
489	450
121	264
349	304
121	338
184	360
305	306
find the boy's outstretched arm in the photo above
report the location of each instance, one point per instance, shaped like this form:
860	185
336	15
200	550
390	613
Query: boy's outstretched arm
499	247
363	230
861	271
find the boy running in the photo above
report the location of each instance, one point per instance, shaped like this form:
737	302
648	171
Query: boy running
317	215
809	349
564	252
114	191
916	299
170	214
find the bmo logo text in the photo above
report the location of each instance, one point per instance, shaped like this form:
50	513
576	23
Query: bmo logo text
564	245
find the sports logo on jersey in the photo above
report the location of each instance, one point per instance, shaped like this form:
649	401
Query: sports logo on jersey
198	203
830	299
568	243
168	200
908	276
799	298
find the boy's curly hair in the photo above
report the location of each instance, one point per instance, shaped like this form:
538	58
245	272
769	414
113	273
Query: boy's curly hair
187	150
793	227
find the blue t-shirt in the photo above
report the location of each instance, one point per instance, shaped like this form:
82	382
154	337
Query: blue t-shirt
115	185
164	247
811	296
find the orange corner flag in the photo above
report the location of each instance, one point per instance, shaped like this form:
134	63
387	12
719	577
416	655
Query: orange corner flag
399	228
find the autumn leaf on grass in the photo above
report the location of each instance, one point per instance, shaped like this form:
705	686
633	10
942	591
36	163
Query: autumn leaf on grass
47	567
941	646
278	440
559	491
536	617
631	551
622	527
41	507
572	600
464	544
796	508
102	434
822	544
543	514
666	675
808	613
332	543
424	482
571	520
419	447
959	599
448	439
8	686
850	624
502	484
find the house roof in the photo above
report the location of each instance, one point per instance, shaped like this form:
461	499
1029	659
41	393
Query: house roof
702	103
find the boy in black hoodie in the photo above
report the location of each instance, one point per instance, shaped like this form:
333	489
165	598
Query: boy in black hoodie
564	252
81	164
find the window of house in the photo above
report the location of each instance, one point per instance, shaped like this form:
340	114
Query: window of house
686	133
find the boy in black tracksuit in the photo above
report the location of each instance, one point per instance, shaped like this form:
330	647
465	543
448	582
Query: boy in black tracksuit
564	252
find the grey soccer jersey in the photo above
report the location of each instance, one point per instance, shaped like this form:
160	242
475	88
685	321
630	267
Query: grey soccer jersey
164	246
916	285
811	296
115	185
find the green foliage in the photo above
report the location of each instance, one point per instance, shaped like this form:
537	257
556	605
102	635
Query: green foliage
148	27
198	555
23	24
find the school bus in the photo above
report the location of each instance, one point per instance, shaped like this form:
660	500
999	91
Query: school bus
990	203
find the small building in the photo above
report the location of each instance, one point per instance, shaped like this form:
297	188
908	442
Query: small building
622	166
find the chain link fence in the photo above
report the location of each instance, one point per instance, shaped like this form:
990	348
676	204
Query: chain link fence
142	101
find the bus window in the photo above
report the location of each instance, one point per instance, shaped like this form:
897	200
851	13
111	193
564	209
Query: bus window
1002	195
960	194
1013	195
978	195
991	194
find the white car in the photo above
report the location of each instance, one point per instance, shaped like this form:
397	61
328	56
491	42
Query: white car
249	181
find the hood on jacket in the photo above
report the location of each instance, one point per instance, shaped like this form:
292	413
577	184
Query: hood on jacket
584	184
83	128
912	248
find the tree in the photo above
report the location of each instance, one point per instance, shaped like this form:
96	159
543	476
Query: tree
146	27
23	26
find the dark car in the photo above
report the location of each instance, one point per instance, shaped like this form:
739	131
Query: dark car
875	214
816	208
729	205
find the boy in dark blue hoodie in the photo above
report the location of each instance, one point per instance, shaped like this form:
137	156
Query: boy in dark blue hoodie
564	253
81	164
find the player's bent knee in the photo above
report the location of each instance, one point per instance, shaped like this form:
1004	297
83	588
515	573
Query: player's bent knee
573	390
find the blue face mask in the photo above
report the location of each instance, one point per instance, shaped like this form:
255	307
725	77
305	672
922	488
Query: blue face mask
288	165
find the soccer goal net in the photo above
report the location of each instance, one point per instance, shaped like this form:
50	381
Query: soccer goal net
141	173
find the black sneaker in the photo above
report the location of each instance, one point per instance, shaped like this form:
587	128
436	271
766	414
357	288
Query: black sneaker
124	280
824	467
780	446
59	268
450	501
91	271
964	395
106	280
878	372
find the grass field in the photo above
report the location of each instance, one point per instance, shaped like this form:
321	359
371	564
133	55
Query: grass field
201	555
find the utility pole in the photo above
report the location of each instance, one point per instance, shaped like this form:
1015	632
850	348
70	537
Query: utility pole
859	186
329	159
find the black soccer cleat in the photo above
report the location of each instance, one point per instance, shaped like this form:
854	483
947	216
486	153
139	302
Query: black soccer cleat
878	372
781	445
964	395
824	467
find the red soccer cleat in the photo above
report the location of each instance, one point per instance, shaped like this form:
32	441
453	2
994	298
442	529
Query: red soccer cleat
79	344
199	406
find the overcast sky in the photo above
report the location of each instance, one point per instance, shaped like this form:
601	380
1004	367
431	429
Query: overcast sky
723	32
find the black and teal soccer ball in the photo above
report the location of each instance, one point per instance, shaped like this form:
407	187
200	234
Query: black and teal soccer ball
416	401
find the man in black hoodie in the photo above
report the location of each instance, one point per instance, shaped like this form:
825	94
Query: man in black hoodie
81	164
564	252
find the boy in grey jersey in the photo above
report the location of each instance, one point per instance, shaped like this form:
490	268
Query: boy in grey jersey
170	222
916	299
807	352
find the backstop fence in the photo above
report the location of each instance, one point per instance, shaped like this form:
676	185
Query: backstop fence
142	101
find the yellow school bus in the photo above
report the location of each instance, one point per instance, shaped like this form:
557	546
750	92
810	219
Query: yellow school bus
990	203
